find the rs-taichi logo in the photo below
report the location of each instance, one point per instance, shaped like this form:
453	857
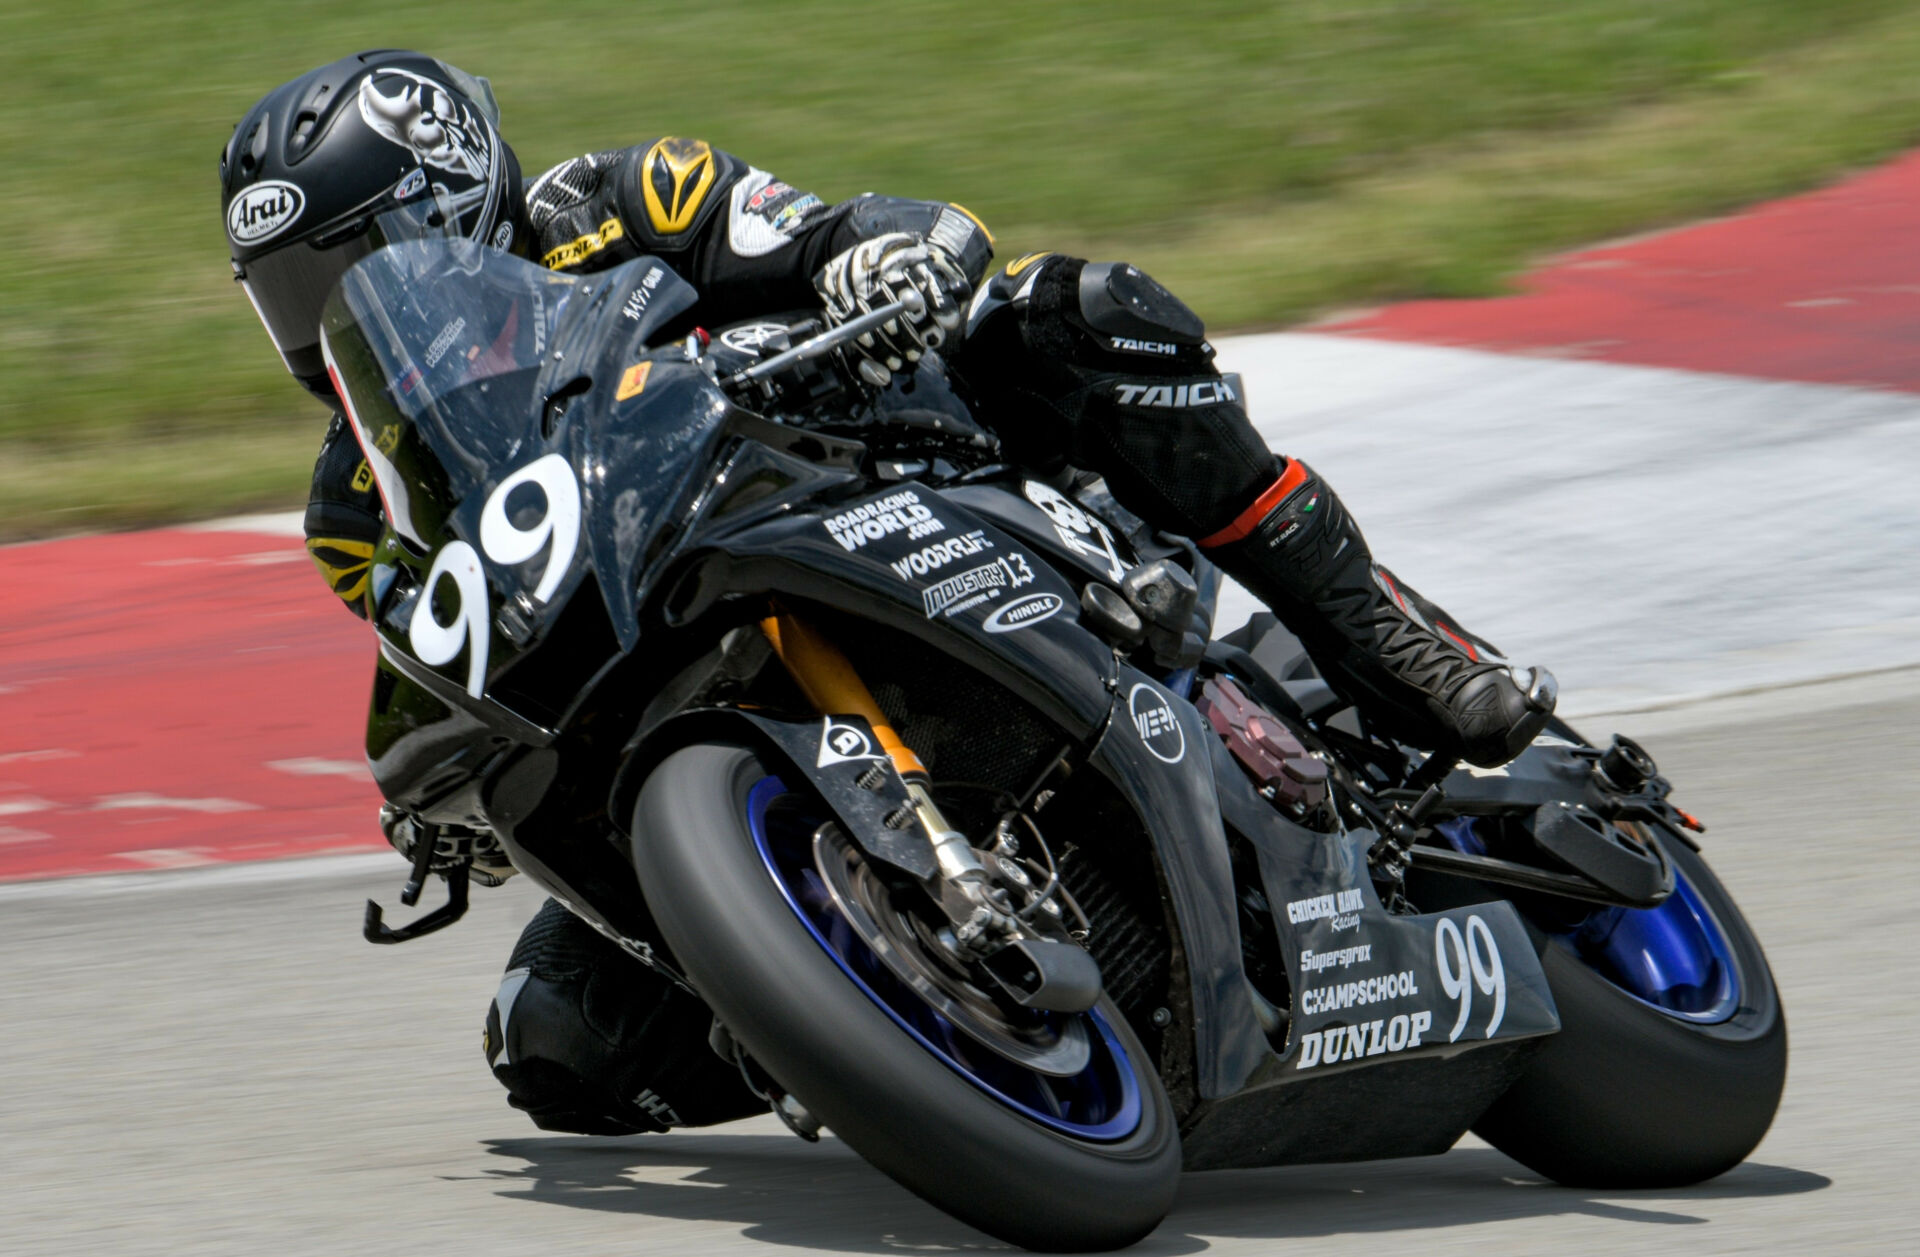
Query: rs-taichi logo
1154	721
1175	396
263	211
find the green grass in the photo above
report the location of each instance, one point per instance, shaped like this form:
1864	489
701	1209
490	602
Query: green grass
1269	162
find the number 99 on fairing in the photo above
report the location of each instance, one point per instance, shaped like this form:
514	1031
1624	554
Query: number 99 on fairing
506	543
1466	963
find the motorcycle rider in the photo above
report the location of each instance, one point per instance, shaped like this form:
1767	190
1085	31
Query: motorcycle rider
1090	365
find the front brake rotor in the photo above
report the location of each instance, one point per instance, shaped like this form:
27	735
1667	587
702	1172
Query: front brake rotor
912	952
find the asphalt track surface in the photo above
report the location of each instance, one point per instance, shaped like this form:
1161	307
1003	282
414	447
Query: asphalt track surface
213	1062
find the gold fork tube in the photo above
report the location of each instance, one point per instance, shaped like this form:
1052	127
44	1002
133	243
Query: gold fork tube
827	678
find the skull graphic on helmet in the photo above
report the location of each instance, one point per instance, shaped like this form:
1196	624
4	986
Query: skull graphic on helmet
420	115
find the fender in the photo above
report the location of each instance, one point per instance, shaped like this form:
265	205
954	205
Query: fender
832	754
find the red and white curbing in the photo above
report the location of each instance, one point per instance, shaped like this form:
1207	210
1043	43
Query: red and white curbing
1678	466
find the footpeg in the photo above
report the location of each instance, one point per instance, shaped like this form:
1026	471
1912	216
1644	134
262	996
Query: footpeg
374	930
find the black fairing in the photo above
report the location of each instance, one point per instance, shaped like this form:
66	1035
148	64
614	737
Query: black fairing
1048	657
579	519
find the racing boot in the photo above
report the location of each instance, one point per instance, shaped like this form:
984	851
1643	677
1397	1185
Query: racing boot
1412	670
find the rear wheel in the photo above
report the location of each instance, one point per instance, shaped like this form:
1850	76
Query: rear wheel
1672	1052
1051	1132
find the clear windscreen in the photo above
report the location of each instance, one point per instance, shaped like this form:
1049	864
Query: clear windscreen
436	347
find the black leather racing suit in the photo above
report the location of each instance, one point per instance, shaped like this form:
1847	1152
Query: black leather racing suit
583	1037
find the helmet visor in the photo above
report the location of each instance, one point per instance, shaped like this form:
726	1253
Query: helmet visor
288	287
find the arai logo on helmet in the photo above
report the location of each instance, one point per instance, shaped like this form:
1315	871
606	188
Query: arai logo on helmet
263	211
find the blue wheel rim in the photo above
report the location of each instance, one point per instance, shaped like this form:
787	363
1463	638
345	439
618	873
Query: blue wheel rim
1102	1103
1674	958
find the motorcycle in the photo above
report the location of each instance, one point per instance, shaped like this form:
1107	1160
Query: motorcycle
928	776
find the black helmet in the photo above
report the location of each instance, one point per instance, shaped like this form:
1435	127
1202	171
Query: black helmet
313	164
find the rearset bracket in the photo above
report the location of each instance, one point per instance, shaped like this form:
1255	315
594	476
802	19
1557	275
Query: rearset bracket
374	930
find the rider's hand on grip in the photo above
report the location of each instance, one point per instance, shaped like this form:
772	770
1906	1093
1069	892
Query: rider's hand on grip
881	271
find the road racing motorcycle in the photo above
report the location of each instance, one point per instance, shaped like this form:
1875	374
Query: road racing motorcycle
929	777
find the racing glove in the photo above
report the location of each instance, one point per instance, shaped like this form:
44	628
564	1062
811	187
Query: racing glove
453	845
886	269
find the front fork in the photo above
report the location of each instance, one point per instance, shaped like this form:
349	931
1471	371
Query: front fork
1038	971
828	679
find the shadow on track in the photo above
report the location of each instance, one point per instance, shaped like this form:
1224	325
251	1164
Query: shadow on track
782	1191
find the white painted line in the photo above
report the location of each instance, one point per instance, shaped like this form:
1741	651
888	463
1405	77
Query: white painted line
1648	534
253	873
276	524
143	801
311	766
33	757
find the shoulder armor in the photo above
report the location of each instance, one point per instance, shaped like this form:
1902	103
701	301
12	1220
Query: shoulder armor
671	189
1121	300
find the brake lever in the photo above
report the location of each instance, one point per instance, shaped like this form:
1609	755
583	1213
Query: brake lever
376	931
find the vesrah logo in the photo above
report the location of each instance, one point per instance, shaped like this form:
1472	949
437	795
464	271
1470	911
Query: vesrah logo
263	211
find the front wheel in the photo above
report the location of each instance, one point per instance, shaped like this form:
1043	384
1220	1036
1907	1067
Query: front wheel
1053	1133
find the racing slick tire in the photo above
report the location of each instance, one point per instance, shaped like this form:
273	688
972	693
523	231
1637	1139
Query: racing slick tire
794	1003
1629	1095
